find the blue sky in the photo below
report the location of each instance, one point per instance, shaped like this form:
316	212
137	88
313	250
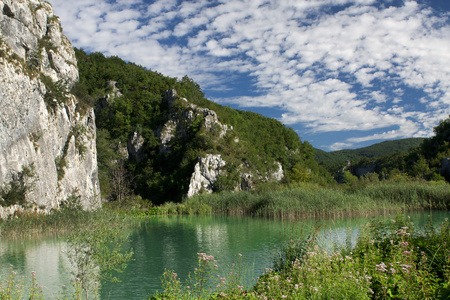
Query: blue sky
342	73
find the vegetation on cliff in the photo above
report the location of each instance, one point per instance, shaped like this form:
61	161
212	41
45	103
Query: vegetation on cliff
254	145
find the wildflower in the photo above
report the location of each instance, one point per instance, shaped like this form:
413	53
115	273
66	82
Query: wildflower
392	271
296	286
405	268
381	267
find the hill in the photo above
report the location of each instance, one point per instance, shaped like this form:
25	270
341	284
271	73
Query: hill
373	151
160	138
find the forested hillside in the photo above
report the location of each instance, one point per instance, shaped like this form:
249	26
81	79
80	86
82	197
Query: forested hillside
135	107
373	151
428	160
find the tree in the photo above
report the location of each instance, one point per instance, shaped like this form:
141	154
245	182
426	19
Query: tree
121	181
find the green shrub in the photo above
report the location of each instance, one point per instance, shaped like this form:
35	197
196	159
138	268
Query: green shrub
20	185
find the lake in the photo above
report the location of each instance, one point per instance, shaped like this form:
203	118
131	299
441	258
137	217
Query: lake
172	242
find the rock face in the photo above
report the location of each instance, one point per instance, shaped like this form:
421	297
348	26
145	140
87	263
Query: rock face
135	145
205	174
177	123
209	167
37	129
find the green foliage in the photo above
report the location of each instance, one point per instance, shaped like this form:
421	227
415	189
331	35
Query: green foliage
254	145
310	200
205	282
77	131
291	251
20	185
85	101
34	60
73	202
423	161
96	251
56	92
97	247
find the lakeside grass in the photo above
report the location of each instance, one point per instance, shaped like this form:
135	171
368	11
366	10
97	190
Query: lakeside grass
311	200
60	222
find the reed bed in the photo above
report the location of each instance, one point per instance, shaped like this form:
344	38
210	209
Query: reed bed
60	222
310	200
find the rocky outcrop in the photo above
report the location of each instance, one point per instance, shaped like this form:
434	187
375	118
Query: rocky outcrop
248	179
185	115
41	124
135	145
205	175
113	93
180	120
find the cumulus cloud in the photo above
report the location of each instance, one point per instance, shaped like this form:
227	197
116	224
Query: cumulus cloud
329	65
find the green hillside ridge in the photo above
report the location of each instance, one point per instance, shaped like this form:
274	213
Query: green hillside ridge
373	151
426	161
255	145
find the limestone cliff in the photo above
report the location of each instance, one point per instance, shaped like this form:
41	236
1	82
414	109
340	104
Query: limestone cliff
178	122
210	166
42	125
205	174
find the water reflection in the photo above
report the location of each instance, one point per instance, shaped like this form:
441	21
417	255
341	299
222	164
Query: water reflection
172	242
45	256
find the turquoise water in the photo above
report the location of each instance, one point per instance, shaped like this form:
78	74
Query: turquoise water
172	242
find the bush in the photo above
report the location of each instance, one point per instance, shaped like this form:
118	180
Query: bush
20	185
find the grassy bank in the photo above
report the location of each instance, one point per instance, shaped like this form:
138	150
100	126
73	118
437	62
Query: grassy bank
390	260
310	200
60	222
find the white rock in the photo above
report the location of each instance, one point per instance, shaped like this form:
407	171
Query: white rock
205	174
30	134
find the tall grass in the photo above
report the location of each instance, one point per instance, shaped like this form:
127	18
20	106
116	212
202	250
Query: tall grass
310	200
59	222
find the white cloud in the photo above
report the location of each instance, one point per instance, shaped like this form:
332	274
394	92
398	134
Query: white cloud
330	71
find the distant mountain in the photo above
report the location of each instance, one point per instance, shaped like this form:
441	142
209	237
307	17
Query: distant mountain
374	151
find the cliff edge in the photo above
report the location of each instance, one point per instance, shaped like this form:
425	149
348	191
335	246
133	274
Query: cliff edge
47	138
